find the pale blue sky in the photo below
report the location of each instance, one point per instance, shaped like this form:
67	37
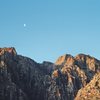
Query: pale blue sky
53	27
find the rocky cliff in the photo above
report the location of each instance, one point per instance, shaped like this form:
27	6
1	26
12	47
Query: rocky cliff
21	78
91	91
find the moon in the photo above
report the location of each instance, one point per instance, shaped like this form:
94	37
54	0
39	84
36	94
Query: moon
24	25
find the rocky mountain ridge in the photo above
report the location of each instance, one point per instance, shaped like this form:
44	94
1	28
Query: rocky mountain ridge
21	78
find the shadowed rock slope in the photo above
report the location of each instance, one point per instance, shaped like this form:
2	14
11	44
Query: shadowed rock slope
21	78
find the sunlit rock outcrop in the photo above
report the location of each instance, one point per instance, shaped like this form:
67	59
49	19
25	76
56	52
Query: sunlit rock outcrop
91	91
21	78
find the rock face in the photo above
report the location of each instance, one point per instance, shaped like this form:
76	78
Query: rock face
91	91
22	78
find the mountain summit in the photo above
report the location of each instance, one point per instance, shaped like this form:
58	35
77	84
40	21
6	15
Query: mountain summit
69	78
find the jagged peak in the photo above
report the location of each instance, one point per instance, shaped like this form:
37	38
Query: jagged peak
82	60
9	49
84	56
62	59
69	72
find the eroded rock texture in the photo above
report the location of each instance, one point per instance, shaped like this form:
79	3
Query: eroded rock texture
22	78
91	91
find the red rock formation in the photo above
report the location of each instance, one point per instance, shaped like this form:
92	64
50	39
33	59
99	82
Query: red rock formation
21	78
65	59
9	50
78	70
90	62
91	91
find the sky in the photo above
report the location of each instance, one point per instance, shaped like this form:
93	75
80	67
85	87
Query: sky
46	29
